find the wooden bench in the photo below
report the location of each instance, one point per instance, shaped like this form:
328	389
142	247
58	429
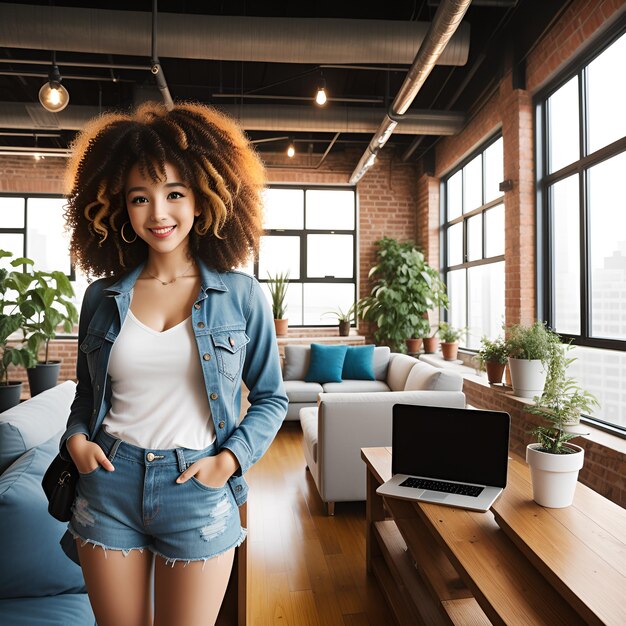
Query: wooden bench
442	565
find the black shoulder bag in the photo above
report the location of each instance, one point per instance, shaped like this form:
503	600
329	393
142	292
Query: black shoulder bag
59	484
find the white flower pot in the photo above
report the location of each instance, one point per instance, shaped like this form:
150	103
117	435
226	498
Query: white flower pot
554	476
527	377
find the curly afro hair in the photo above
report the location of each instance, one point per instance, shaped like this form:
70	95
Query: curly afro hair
214	159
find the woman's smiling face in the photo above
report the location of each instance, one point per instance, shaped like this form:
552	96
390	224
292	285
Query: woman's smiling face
161	213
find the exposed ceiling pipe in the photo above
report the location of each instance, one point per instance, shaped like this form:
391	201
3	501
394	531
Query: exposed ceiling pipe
446	21
156	68
230	38
276	117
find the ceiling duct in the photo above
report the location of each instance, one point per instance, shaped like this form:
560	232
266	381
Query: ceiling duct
445	23
234	38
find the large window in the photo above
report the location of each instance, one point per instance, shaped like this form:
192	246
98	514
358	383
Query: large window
581	167
311	233
473	238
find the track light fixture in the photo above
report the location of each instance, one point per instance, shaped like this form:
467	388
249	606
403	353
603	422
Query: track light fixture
320	96
52	95
291	149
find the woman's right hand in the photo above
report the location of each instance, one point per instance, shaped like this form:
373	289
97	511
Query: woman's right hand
87	455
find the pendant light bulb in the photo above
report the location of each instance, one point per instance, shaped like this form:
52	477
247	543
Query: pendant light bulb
291	150
320	97
53	96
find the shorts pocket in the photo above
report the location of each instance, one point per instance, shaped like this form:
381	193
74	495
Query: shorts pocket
204	487
92	472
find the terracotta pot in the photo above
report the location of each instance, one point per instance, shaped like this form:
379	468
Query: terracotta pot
449	350
431	344
413	345
344	328
281	327
494	371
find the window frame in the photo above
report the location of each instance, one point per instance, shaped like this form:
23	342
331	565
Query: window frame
462	218
302	235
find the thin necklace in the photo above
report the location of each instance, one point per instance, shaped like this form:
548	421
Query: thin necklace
169	282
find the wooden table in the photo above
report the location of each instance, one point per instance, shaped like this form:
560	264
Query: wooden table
442	565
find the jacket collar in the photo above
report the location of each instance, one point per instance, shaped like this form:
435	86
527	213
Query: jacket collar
210	279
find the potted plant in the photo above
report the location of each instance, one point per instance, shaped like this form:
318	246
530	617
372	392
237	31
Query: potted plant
344	319
12	320
405	288
530	348
431	343
47	305
278	290
449	336
554	461
493	356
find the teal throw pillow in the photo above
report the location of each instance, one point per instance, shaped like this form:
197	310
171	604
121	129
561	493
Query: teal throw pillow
326	363
359	363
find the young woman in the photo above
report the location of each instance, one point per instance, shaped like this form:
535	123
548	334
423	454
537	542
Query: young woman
163	204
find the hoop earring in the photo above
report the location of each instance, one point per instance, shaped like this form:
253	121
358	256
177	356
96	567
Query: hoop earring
122	233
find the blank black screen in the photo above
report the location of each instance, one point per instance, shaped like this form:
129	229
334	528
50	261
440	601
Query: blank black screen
451	444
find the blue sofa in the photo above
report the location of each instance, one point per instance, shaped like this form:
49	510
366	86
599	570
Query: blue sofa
38	583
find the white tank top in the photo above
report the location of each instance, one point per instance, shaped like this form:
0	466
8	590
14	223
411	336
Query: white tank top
158	395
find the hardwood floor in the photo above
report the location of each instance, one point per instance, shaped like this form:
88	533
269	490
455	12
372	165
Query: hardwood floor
305	568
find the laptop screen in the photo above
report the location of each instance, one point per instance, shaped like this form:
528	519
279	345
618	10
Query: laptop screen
464	445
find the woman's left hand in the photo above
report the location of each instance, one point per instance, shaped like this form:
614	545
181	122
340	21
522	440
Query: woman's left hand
212	471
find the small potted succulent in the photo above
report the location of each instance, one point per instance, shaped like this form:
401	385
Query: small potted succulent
344	319
531	349
278	290
493	357
449	336
554	461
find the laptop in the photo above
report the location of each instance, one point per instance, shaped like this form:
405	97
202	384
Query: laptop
456	457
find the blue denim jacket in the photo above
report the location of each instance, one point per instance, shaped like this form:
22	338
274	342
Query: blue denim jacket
236	340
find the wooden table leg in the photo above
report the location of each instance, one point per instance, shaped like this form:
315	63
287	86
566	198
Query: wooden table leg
374	512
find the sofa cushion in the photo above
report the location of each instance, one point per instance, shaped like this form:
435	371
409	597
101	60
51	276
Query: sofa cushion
425	377
355	386
400	366
326	363
308	421
381	362
68	608
29	536
31	423
296	362
300	391
359	363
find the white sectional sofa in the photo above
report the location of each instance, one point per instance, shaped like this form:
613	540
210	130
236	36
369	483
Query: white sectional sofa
338	419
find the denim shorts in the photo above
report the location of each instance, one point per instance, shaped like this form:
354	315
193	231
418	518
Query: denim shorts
141	506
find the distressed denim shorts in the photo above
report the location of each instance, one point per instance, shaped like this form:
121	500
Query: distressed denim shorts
140	505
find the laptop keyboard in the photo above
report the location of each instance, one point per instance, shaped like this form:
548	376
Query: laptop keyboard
440	485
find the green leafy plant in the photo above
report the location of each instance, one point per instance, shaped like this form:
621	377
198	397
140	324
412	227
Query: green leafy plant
278	290
405	288
47	304
448	333
560	404
495	350
535	342
347	316
12	319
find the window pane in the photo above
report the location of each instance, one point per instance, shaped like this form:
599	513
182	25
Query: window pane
473	184
494	170
293	300
607	211
12	243
11	212
563	137
329	209
284	209
566	248
607	96
494	226
602	372
279	254
475	238
455	195
47	243
486	301
456	295
322	297
330	255
455	244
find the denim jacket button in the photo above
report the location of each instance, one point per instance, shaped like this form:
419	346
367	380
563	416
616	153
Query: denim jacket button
200	324
231	341
221	424
238	488
206	357
196	305
213	396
